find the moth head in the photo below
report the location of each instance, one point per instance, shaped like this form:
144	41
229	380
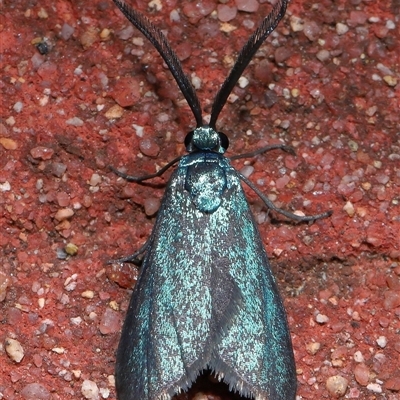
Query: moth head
205	138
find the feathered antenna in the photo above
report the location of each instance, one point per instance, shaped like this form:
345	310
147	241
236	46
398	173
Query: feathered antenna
268	24
160	42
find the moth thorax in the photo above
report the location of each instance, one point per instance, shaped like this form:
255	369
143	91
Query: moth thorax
205	138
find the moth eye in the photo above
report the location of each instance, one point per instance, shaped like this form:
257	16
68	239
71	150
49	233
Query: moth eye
189	139
224	140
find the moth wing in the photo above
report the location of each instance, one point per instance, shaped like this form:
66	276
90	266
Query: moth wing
163	342
254	353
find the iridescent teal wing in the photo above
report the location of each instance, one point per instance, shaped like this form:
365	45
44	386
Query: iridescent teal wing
164	337
254	353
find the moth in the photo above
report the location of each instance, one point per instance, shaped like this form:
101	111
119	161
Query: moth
205	298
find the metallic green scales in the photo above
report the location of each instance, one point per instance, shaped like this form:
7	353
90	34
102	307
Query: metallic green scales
206	297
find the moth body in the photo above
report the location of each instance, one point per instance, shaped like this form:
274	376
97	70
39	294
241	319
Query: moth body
206	298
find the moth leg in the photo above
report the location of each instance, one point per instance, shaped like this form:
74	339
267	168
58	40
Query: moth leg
271	205
135	258
131	178
262	150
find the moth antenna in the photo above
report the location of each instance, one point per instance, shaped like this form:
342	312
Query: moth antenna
159	41
268	24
